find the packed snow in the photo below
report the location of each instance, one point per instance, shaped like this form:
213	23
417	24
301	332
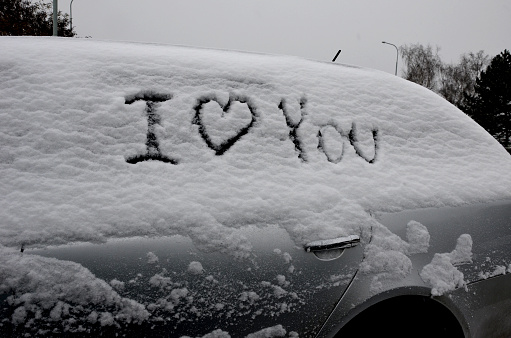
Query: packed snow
387	257
105	140
462	254
418	237
70	292
441	274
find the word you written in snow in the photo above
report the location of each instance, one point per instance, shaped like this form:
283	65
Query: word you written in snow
220	147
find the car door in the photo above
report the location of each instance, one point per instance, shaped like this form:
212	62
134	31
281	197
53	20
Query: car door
193	292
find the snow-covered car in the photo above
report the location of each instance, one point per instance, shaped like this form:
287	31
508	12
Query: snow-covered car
153	190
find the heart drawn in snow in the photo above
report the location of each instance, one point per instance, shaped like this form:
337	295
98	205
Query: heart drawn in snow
221	126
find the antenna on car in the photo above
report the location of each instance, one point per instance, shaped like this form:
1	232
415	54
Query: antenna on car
336	55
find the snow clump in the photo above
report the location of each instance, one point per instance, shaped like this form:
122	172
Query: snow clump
441	274
462	254
195	268
269	332
214	334
152	258
117	284
418	237
386	258
67	289
499	270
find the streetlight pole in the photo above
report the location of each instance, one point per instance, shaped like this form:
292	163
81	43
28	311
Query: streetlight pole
71	16
397	52
55	18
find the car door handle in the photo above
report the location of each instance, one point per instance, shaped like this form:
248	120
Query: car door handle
335	243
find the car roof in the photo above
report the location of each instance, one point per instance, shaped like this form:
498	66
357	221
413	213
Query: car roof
107	140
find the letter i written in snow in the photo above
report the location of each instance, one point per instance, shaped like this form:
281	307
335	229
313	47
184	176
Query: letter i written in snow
153	147
293	126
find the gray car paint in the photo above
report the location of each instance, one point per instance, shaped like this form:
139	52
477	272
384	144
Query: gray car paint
219	297
483	307
318	296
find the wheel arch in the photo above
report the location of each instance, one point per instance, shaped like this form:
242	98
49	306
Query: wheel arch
403	310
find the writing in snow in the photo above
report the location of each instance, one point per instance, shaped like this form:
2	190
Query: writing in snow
220	146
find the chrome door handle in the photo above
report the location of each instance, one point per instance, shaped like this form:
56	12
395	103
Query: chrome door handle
335	243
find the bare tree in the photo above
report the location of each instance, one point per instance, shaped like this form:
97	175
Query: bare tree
422	65
457	80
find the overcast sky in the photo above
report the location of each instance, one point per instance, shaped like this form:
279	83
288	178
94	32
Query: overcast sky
314	29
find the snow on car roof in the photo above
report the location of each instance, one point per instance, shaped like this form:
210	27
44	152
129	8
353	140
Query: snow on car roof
105	140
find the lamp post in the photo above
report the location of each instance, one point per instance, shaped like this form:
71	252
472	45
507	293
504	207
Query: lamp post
55	18
397	51
71	15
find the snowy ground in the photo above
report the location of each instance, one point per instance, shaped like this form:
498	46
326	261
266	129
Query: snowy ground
106	140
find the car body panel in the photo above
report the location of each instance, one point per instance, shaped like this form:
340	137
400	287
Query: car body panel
485	306
480	302
194	292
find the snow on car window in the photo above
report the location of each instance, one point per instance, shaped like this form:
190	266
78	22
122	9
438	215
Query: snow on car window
104	140
108	140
